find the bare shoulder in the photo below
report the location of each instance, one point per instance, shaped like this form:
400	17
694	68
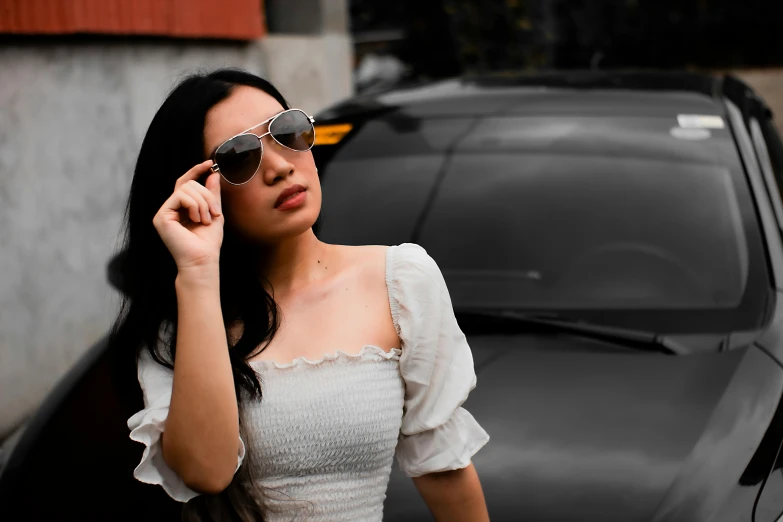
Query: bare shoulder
368	262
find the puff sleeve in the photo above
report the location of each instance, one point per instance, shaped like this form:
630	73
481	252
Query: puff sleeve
436	364
147	425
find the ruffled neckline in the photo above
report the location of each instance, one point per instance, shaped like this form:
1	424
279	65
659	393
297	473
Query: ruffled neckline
394	353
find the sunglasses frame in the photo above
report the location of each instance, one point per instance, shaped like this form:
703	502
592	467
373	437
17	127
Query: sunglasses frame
216	168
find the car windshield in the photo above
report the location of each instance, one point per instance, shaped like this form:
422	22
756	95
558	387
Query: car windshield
633	221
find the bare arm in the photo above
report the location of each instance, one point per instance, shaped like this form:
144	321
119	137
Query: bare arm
201	439
454	496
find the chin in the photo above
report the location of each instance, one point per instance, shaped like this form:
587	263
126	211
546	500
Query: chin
296	228
290	226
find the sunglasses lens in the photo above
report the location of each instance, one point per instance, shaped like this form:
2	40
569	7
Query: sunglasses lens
293	129
239	158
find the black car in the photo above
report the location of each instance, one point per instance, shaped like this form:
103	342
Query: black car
612	247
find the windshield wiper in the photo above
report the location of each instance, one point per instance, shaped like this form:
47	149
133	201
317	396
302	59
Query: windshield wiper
638	339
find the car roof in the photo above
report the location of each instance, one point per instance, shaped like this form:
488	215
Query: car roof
571	93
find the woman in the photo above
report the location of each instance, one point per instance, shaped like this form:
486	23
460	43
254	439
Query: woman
281	375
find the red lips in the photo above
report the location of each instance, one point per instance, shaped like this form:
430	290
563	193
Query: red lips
290	191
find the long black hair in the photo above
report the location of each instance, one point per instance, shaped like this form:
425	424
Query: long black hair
173	144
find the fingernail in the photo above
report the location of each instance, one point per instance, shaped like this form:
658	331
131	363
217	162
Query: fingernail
218	210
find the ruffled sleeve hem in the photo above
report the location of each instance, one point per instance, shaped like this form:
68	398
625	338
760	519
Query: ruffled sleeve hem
444	448
146	427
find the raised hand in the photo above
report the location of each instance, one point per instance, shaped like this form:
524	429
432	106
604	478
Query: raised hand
190	222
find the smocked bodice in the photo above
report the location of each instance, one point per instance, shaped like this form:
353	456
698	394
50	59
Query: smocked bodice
325	432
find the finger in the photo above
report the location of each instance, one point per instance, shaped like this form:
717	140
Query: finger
194	173
207	194
213	185
177	202
191	190
189	204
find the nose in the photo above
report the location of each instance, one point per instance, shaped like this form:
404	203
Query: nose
274	164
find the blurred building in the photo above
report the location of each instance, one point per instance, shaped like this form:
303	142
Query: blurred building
80	82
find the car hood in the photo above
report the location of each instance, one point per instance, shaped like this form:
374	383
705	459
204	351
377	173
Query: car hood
579	432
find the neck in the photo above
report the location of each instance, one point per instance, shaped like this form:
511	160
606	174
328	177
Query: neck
293	263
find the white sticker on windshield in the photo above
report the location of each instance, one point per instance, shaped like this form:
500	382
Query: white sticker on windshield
700	121
690	134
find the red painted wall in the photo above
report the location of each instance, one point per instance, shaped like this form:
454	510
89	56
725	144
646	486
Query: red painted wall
230	19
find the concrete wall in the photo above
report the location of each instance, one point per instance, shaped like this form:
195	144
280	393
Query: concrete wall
72	117
307	16
316	71
312	36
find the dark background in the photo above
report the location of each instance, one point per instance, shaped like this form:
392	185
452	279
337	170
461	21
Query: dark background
440	38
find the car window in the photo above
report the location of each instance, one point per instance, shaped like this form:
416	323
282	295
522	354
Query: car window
631	220
593	213
376	186
400	135
588	232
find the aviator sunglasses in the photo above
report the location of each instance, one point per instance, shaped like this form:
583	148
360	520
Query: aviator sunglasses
238	159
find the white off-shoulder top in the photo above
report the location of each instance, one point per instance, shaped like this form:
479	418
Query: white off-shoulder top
325	432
